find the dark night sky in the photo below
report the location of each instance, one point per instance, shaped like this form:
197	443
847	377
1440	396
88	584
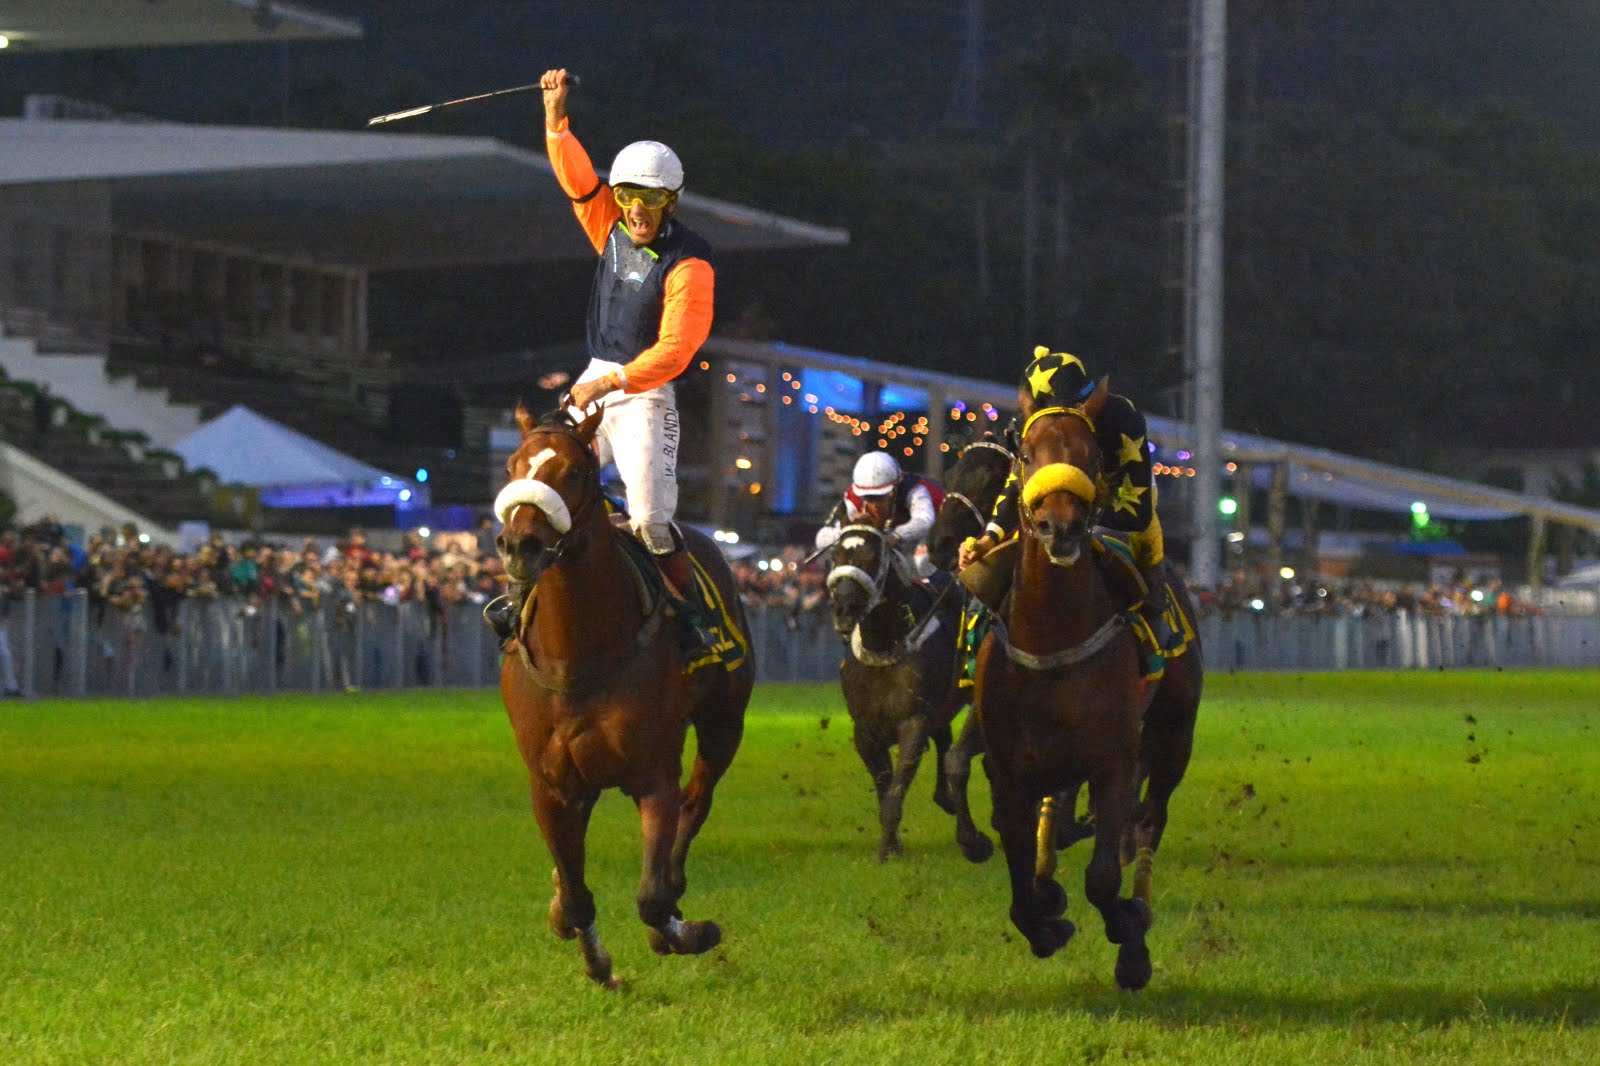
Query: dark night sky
785	72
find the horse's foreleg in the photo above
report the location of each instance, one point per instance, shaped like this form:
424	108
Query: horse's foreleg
1126	920
572	912
658	901
958	772
913	739
1016	820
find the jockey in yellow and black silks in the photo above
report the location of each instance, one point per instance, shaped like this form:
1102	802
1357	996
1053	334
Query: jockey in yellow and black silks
1128	500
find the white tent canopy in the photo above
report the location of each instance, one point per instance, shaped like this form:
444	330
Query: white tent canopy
243	447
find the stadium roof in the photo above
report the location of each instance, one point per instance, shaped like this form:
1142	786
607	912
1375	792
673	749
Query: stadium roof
1336	478
378	201
67	25
1313	473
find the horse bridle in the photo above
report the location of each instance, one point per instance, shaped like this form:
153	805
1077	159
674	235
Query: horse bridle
570	539
1053	477
848	572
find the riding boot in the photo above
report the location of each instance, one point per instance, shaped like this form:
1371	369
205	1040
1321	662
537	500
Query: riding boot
503	612
695	638
1156	601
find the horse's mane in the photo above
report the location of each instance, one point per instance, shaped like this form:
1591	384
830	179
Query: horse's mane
556	418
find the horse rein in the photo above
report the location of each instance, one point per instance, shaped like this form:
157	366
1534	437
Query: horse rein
963	498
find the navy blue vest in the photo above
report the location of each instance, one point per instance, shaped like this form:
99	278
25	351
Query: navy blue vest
630	287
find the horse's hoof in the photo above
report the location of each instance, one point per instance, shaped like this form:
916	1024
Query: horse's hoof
976	849
684	938
1133	965
890	849
1051	936
558	920
704	935
1050	898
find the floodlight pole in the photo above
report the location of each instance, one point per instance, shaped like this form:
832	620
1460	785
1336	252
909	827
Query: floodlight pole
1208	117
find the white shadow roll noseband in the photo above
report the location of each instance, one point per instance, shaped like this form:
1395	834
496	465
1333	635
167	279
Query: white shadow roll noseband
852	536
527	491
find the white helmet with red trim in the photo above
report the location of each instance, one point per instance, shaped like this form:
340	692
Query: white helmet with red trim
876	473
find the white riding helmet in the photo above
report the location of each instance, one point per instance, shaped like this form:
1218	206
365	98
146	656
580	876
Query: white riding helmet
648	164
876	473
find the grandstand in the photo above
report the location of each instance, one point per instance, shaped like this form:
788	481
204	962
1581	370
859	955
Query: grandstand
158	274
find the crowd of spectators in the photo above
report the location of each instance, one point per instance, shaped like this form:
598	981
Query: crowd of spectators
120	570
1249	590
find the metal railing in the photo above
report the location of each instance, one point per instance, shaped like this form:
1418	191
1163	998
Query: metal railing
64	646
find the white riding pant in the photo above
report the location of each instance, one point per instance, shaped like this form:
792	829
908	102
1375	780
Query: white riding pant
640	434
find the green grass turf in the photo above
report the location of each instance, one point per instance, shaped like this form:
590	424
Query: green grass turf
1360	868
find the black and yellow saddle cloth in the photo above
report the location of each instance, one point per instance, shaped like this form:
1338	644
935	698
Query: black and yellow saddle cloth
731	645
1117	559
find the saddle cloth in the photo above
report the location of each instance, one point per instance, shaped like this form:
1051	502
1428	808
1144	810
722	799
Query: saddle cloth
731	645
1116	558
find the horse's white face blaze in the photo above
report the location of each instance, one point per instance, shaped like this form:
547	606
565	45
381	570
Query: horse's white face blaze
1061	517
855	581
528	490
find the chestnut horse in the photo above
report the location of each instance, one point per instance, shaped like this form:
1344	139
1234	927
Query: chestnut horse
1061	702
899	670
595	688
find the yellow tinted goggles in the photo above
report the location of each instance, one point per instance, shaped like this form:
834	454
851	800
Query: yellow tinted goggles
652	199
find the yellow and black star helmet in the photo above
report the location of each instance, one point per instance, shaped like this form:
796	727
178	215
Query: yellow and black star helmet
1056	379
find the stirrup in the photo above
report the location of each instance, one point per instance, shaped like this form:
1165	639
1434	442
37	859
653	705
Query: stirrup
501	615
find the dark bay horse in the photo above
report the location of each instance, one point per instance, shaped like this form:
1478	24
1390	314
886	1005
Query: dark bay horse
1061	703
595	688
973	483
899	669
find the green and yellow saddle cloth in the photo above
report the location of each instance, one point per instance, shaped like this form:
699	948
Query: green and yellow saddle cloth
731	645
1117	559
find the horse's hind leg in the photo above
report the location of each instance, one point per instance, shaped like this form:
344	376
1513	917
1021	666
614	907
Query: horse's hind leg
1166	743
714	752
658	900
572	910
941	781
1126	920
976	846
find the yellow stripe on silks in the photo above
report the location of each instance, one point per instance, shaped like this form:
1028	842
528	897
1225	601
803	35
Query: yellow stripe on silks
1058	477
1051	411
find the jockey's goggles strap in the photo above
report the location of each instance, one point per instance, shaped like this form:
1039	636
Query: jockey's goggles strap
1058	477
652	199
590	195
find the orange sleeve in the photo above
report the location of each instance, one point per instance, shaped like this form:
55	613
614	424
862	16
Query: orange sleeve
686	311
576	174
